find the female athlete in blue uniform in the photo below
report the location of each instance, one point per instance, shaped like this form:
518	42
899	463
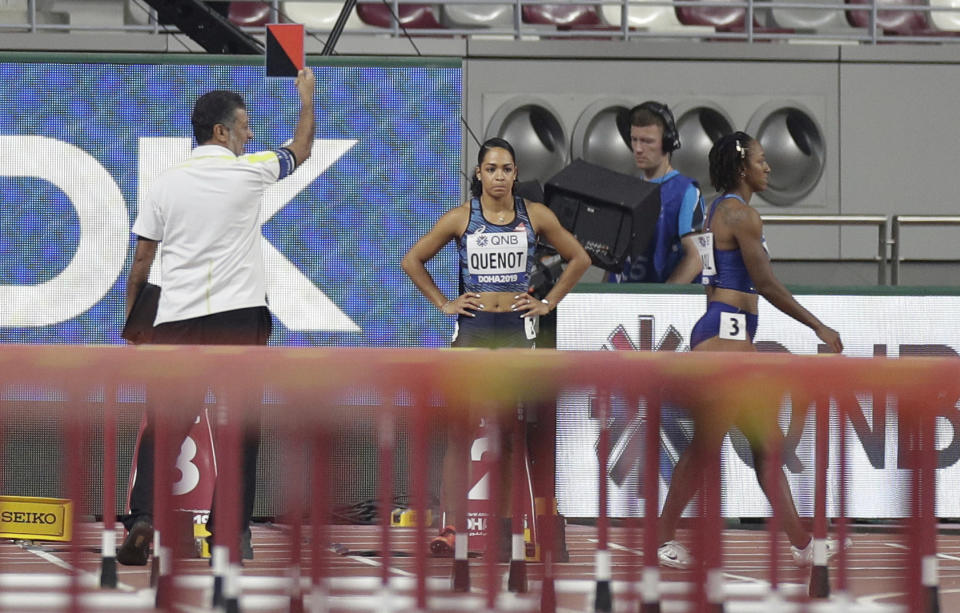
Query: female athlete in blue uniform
736	267
496	232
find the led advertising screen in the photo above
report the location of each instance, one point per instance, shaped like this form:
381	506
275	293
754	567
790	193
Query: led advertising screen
81	143
892	326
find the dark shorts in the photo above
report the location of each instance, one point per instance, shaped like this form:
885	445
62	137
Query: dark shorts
250	326
492	331
709	325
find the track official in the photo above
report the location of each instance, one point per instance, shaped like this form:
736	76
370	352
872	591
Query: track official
206	213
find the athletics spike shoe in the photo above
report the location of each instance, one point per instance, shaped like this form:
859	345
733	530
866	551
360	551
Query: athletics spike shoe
804	557
674	555
136	547
442	546
246	546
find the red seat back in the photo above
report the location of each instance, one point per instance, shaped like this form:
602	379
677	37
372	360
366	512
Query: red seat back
561	14
249	14
410	15
716	16
897	22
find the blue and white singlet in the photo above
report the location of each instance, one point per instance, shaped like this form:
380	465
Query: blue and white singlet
497	258
731	272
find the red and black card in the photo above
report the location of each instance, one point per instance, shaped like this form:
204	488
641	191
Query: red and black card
285	55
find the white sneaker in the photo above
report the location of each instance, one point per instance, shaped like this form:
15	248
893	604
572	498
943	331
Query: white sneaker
674	555
804	557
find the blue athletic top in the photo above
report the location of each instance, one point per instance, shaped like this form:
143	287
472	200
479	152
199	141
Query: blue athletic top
731	271
497	258
681	213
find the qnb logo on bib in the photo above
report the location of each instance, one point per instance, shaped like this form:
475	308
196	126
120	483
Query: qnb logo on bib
497	257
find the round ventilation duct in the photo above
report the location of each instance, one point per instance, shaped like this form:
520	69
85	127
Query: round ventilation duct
700	126
793	142
598	137
537	136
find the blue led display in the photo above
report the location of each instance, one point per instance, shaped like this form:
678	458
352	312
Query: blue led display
80	142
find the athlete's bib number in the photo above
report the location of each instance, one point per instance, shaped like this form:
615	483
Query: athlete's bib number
733	326
497	253
531	327
705	249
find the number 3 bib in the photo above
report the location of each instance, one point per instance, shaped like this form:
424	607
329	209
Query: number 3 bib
733	326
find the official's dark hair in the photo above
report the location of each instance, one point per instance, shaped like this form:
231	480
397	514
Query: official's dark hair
728	158
652	113
218	106
476	188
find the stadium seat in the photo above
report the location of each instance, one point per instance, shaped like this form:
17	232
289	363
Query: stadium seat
243	14
561	15
249	14
716	16
477	15
16	12
318	15
913	23
642	15
135	13
729	19
417	16
949	20
822	20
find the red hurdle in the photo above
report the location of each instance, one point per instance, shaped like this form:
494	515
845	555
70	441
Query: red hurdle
918	389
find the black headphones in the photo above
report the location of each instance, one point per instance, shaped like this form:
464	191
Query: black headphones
671	138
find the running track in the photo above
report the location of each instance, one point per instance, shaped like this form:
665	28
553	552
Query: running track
35	576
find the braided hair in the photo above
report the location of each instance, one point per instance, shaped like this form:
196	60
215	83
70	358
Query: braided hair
728	157
476	188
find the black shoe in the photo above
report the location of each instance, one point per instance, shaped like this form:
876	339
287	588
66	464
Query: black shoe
136	547
505	541
246	545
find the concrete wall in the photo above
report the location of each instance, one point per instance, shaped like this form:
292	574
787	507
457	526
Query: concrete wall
887	114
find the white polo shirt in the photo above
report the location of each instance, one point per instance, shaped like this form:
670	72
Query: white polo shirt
206	211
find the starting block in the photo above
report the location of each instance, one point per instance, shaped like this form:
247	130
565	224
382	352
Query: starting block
39	519
407	518
201	546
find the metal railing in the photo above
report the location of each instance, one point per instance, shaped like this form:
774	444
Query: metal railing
912	220
756	12
880	221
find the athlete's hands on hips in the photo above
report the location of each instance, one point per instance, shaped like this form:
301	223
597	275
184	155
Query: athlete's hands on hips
831	338
306	84
463	305
529	305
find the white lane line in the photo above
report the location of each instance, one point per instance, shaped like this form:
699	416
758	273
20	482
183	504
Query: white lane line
371	562
103	601
437	584
86	578
873	598
743	578
398	598
185	608
945	556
